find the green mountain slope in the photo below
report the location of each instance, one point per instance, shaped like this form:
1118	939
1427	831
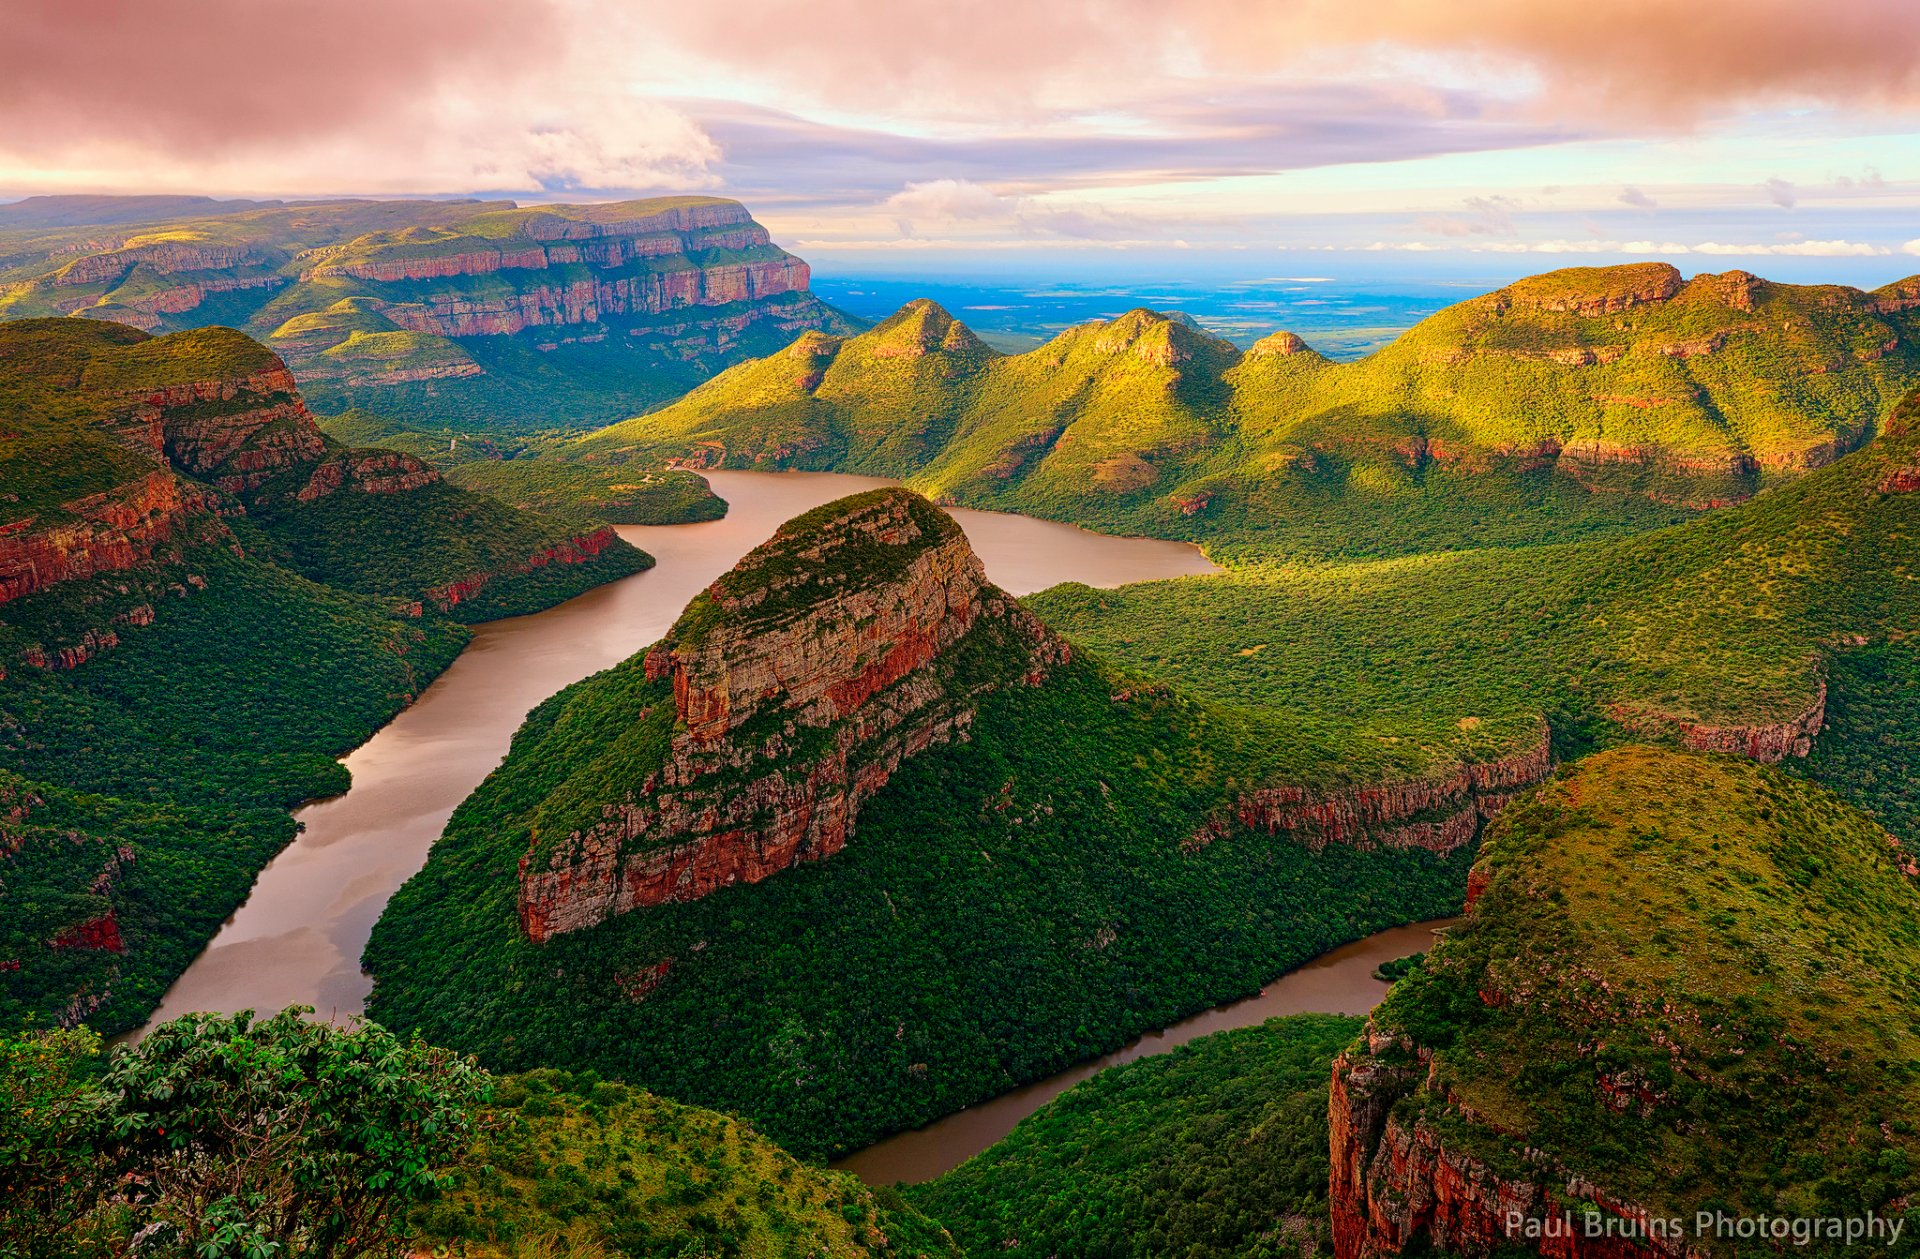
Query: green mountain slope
860	843
203	602
1589	400
1686	986
586	1166
481	314
1218	1148
1763	628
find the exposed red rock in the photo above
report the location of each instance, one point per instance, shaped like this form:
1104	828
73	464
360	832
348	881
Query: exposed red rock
575	550
102	533
1771	742
100	933
1394	1185
1388	814
786	722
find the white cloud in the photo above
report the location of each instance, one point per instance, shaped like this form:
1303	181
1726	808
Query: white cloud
1793	249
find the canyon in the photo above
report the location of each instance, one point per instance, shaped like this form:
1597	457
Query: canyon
406	295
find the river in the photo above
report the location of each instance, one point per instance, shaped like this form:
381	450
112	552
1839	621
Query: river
298	938
1340	982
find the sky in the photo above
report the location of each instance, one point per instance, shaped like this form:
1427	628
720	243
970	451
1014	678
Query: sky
954	135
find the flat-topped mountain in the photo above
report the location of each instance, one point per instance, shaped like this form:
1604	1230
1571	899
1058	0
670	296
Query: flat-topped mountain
1683	986
861	841
1631	381
459	311
784	697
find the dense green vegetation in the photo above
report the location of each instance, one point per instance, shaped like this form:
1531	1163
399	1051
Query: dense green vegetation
433	538
172	693
521	472
218	1137
1642	396
1008	906
1218	1148
345	291
592	1167
1731	620
1729	949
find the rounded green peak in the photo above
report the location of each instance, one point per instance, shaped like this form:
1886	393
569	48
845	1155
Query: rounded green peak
1280	345
920	327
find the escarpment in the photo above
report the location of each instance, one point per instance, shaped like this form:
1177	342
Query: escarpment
786	696
1438	814
390	295
1658	1011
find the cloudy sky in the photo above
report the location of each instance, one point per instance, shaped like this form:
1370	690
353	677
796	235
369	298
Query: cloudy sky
1723	131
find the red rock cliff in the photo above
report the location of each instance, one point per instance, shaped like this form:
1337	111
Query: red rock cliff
799	682
1438	814
1395	1182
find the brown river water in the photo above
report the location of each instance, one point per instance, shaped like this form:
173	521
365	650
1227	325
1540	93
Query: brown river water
297	940
1340	982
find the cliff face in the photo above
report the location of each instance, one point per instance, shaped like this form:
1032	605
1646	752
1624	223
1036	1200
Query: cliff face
671	282
1771	742
1395	1183
1439	814
792	691
125	527
1600	1052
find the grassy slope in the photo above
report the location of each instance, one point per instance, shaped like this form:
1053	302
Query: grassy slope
1218	1148
1731	618
522	474
1143	424
579	1166
1738	943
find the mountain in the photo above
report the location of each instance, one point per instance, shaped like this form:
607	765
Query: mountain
1779	628
862	841
123	440
1585	400
203	602
477	313
1685	985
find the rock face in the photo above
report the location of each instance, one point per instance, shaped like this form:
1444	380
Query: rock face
1439	814
1771	742
1396	1184
362	294
103	533
795	686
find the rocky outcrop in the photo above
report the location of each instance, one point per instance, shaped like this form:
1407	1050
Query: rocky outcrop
1395	1182
797	684
235	432
1771	742
101	533
369	472
1439	814
1592	291
578	549
600	298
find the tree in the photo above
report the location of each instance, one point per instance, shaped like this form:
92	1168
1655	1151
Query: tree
283	1139
50	1172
